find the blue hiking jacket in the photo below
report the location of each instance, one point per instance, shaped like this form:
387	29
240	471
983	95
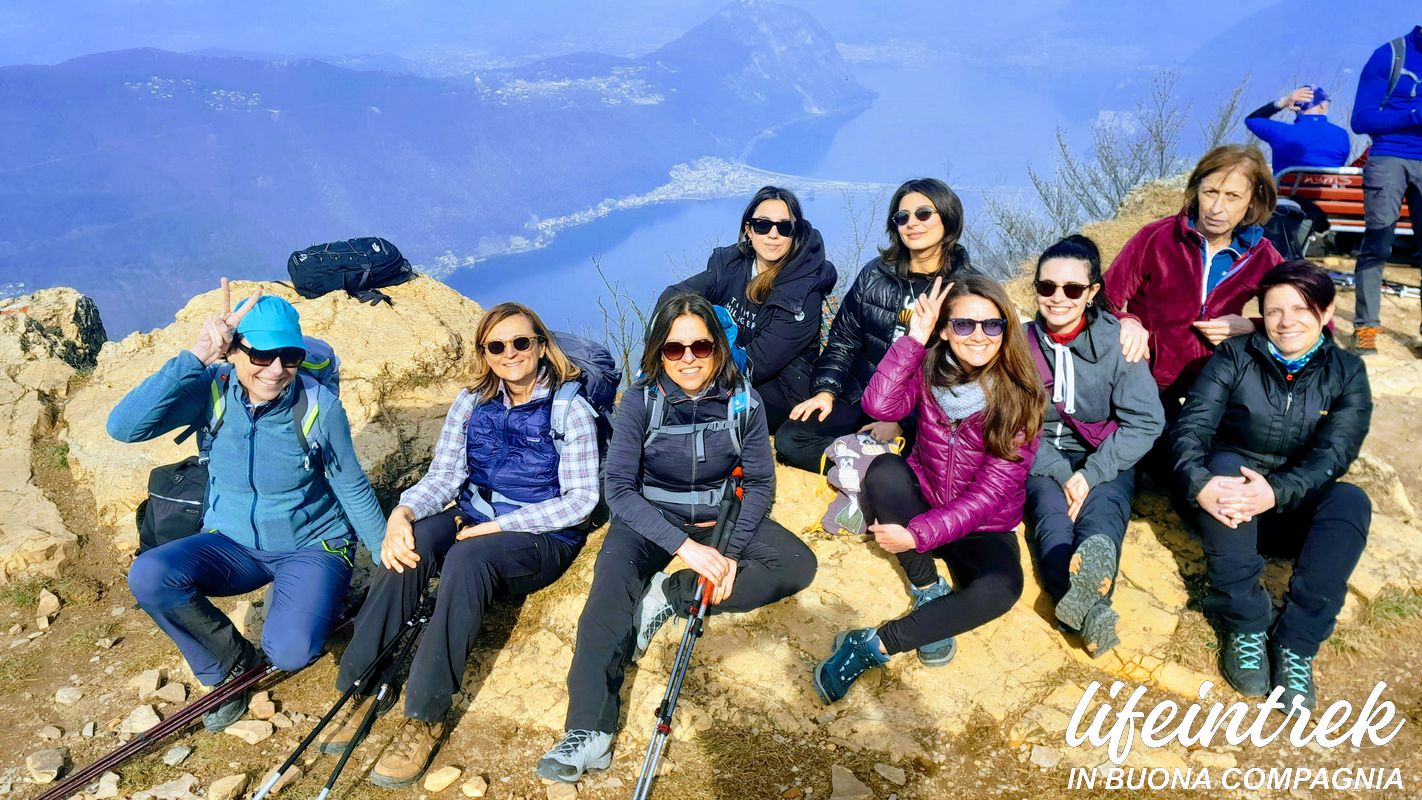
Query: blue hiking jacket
1309	141
261	493
1394	121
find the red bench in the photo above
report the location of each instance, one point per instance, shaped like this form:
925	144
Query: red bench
1338	191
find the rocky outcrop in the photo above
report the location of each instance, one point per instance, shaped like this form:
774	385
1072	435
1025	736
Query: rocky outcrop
401	368
45	339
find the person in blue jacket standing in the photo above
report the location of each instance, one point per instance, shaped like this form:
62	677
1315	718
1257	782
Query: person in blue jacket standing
1388	109
275	512
773	281
1310	140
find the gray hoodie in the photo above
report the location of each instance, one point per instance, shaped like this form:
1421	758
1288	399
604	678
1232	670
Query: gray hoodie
1093	382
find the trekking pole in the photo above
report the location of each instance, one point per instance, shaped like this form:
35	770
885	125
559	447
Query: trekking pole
178	721
408	634
695	625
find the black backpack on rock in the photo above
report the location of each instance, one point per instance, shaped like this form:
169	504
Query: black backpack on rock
360	267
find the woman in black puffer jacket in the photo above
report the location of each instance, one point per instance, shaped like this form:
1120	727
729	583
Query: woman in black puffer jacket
924	224
773	281
1269	427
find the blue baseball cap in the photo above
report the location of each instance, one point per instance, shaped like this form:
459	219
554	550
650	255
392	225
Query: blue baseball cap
271	325
1319	97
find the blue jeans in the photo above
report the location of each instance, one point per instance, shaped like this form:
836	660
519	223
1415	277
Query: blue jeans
172	583
1053	535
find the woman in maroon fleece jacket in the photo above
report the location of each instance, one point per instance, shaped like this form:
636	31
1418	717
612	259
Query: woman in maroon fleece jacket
969	376
1182	282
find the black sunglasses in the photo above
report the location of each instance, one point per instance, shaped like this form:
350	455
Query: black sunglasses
291	357
701	348
922	213
992	327
495	347
1073	291
761	226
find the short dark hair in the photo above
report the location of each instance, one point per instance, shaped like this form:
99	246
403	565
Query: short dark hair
952	255
667	313
1263	194
1308	279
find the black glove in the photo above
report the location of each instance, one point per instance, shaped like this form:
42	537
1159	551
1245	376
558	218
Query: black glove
373	296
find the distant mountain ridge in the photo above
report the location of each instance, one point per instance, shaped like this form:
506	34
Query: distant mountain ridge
140	176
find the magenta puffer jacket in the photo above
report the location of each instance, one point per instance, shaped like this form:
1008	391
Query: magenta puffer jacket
967	488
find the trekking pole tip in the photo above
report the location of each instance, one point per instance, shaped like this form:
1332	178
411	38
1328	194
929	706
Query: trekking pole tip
267	786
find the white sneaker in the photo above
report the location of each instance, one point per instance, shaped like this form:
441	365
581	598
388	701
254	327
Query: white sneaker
579	752
652	613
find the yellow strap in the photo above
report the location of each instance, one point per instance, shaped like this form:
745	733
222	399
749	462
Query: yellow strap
898	445
344	551
316	366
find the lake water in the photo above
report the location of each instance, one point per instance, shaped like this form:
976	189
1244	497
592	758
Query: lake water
921	124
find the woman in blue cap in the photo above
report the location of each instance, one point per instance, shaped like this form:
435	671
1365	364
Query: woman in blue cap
286	497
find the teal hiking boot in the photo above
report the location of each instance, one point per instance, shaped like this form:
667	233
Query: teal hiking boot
1244	661
934	654
854	652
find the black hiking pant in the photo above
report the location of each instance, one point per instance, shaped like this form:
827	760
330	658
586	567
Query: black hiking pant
774	565
986	565
475	572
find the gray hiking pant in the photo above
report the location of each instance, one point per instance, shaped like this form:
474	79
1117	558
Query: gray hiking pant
1386	180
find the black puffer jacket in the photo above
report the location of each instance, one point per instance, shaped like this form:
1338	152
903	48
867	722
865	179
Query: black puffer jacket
868	322
782	335
1300	431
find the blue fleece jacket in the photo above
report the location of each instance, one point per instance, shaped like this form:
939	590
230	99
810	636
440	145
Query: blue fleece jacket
1394	121
260	491
1309	141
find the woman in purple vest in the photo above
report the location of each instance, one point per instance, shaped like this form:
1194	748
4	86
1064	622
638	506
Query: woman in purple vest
521	499
1104	415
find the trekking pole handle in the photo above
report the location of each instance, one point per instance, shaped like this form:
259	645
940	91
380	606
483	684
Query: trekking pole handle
726	517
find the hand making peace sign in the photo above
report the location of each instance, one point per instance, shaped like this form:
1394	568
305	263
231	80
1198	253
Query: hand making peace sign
926	310
217	331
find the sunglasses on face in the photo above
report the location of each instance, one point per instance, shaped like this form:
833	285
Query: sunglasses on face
291	357
1073	291
964	326
496	347
761	226
701	348
922	213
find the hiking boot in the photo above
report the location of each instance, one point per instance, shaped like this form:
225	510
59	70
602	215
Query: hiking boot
342	730
235	706
1091	571
652	613
1295	673
408	756
854	652
579	752
1365	339
934	654
1245	663
1098	630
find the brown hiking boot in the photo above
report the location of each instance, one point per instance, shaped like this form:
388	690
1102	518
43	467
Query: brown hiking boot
408	756
1365	339
338	735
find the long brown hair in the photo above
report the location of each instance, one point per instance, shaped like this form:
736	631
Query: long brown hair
951	255
723	368
1016	401
555	366
759	287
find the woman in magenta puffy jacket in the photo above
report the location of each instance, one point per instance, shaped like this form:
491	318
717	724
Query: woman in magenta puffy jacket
965	369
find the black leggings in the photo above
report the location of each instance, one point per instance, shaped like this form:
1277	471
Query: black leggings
801	444
986	565
774	565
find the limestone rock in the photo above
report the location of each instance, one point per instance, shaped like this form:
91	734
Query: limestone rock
149	682
562	791
894	775
180	788
48	604
442	778
228	788
845	786
177	755
261	706
1045	757
67	695
140	719
292	775
476	786
45	765
172	693
250	731
108	785
50	732
88	730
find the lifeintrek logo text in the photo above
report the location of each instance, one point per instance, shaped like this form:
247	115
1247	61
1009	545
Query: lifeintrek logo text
1115	720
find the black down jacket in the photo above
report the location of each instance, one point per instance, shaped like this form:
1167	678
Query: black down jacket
782	335
1300	431
868	321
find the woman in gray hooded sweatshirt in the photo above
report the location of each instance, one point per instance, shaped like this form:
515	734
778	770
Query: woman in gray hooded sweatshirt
1104	415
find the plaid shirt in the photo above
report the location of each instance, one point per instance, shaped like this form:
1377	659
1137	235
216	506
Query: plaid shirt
577	470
